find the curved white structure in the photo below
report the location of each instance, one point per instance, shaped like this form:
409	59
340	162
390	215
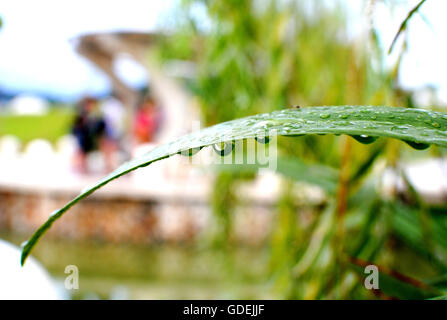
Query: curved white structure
29	282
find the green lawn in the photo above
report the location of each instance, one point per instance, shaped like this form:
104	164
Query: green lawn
27	127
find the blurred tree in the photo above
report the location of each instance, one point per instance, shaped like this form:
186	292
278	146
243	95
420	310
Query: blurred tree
258	56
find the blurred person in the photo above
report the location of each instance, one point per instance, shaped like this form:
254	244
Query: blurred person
114	114
147	121
90	131
81	129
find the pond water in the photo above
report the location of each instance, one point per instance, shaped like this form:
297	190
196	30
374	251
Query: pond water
123	271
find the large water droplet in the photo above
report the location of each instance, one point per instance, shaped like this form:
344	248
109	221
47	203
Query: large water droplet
417	145
364	139
223	148
325	116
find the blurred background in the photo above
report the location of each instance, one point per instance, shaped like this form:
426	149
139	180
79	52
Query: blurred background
85	86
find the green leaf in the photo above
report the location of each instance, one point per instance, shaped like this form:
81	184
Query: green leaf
403	25
406	226
366	166
320	175
411	125
396	285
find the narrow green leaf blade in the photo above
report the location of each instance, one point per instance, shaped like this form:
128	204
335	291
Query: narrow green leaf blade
418	126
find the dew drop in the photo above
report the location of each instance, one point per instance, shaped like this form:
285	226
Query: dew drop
223	148
190	152
263	124
417	145
325	116
436	125
399	128
263	140
54	213
364	139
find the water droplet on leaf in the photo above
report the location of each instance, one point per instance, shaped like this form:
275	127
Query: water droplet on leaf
417	145
190	152
223	148
364	139
263	140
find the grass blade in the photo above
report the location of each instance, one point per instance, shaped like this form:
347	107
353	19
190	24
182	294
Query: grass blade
404	23
410	125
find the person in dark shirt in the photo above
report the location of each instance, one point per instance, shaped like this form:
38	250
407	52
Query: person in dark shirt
89	129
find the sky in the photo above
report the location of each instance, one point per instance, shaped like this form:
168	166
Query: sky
425	62
36	49
37	55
